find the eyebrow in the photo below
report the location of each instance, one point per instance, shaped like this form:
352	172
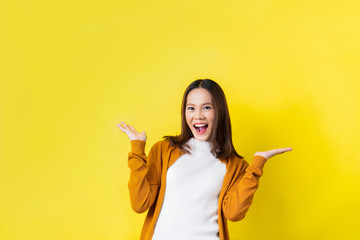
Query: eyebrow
203	104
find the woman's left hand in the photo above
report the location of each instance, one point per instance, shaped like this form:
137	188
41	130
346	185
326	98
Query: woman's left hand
274	152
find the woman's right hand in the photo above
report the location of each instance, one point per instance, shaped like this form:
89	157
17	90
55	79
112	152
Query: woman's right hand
131	132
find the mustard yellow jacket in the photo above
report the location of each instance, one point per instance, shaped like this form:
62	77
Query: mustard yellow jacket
148	178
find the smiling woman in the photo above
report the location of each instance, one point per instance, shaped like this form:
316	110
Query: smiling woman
204	109
191	184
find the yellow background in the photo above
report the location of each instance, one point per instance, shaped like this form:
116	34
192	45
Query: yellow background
71	70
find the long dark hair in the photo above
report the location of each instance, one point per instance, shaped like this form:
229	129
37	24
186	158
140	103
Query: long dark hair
221	137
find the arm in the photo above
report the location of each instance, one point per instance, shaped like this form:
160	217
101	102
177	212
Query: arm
238	199
145	175
240	195
144	179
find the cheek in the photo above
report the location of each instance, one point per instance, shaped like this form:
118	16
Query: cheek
211	117
188	118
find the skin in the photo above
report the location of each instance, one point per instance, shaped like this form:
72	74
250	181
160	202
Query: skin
199	108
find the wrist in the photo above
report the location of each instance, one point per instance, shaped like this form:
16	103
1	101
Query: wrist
138	146
259	161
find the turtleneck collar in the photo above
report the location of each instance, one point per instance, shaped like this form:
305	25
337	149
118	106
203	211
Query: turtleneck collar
199	145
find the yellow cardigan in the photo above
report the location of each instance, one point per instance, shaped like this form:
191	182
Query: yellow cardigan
148	178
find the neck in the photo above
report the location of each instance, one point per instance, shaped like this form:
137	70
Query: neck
201	145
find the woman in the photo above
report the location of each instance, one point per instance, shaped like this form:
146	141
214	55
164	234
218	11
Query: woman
191	184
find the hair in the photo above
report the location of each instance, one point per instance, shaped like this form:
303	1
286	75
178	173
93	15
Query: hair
221	136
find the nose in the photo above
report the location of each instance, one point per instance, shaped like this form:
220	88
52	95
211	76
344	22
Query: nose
199	115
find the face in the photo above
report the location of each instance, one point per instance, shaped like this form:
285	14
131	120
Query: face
200	113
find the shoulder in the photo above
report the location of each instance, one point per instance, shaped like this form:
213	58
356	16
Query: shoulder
164	151
162	145
238	163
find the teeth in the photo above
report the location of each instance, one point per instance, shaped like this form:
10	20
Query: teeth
200	125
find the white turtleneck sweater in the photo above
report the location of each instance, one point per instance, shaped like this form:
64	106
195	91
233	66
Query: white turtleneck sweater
193	183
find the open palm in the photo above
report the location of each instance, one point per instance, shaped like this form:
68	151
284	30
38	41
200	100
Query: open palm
131	132
272	153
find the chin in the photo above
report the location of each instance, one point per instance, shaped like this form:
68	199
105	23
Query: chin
202	138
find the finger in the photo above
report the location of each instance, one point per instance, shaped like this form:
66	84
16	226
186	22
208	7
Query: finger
282	150
286	149
124	128
121	127
133	129
125	125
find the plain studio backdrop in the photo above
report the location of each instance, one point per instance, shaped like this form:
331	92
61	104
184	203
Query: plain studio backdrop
71	70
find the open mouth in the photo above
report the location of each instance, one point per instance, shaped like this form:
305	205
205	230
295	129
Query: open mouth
201	128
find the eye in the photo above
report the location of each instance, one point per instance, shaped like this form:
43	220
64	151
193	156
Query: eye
190	108
207	107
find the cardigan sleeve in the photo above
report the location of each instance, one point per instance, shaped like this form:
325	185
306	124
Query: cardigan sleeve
238	198
144	178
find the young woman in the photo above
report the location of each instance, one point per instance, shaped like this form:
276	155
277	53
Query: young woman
191	184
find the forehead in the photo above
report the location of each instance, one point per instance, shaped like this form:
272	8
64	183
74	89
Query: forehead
199	95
